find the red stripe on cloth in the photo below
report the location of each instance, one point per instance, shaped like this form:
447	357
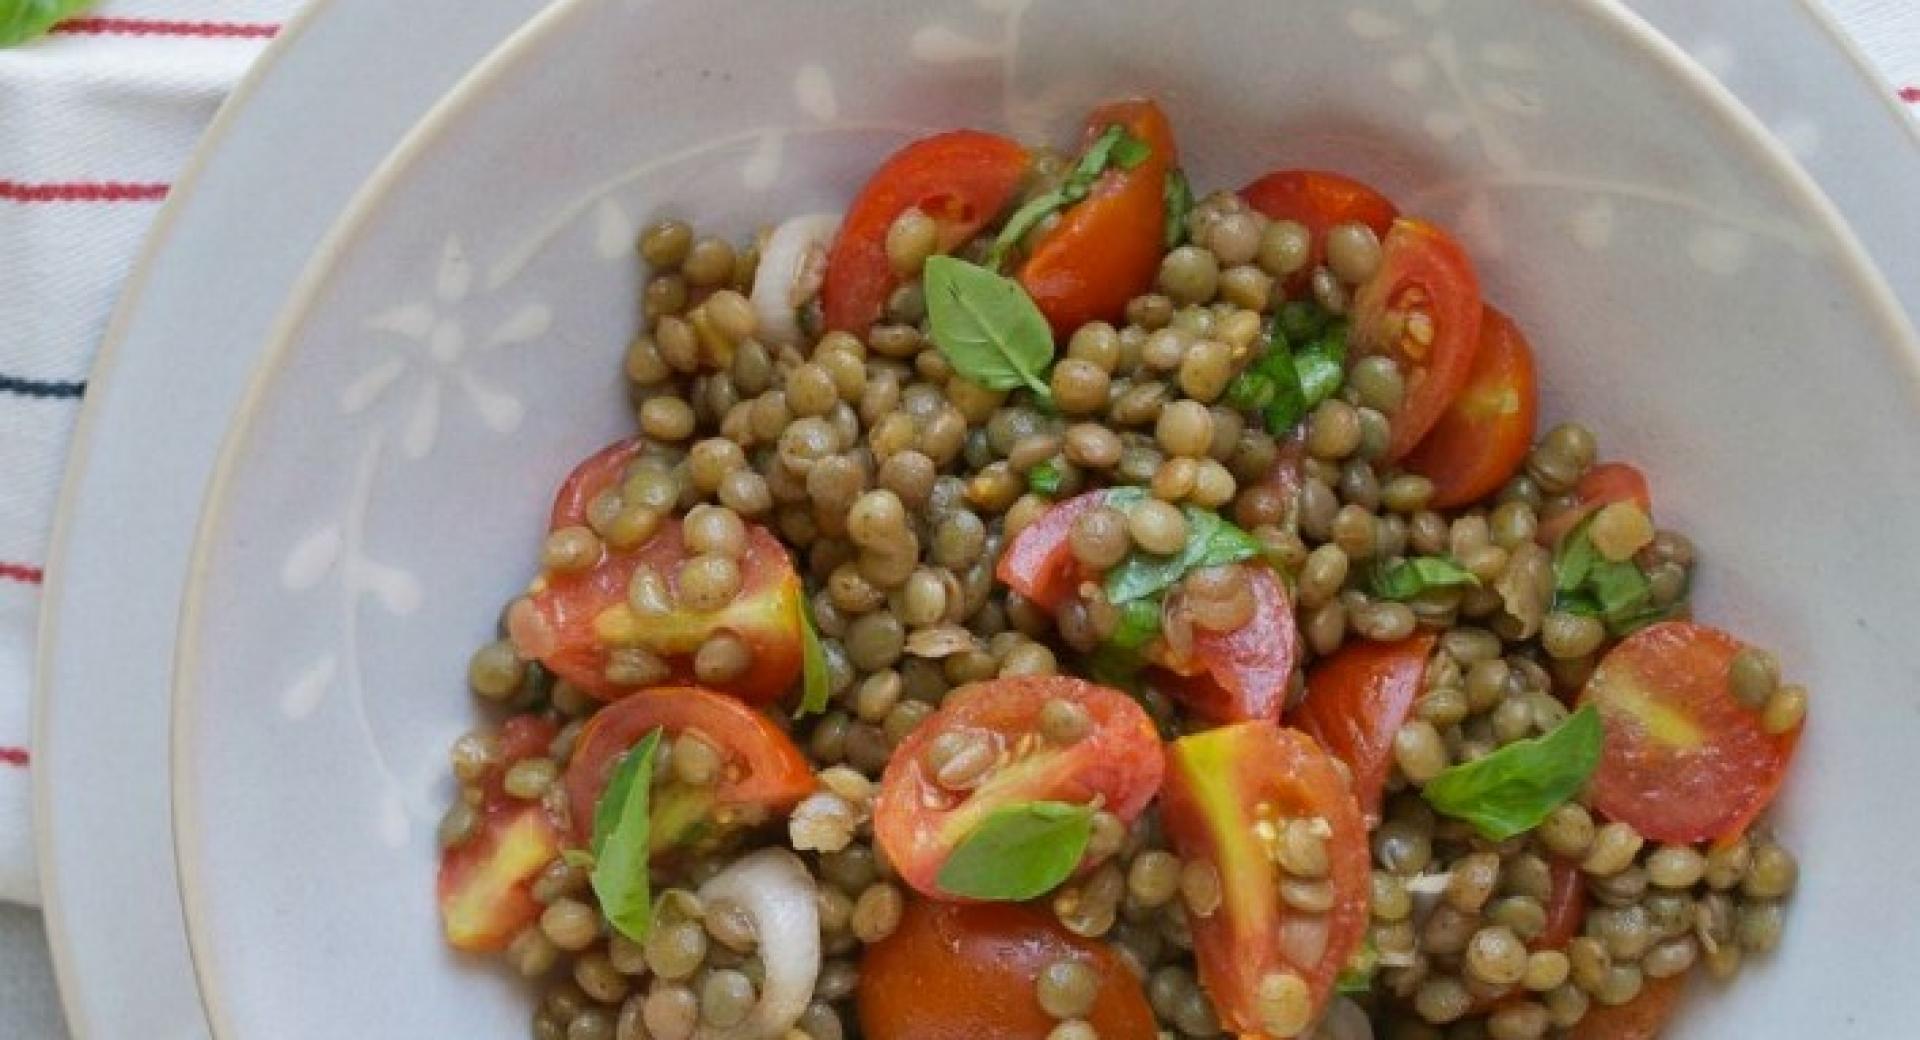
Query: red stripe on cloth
14	756
21	572
81	191
160	27
1911	95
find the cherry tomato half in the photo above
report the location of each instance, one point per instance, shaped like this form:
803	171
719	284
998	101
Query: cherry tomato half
1356	702
1604	484
1642	1018
1106	249
1422	309
969	972
1039	563
601	471
1117	765
1317	200
1684	759
1243	673
962	179
1483	436
762	773
485	883
1229	792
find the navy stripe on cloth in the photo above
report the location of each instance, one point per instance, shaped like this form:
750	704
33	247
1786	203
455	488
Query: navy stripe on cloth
40	387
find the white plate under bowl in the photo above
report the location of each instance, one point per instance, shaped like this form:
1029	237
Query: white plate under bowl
454	348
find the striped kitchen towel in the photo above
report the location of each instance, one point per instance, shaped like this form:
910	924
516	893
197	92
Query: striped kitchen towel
95	119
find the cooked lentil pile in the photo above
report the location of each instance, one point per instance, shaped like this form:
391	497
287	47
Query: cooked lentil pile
1036	603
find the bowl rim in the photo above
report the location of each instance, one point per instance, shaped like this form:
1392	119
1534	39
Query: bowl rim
1761	147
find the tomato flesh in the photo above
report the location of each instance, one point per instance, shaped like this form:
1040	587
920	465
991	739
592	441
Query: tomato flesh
573	623
1684	760
1227	790
485	883
1644	1017
601	471
1483	436
1243	673
1039	563
1116	766
963	179
1317	200
762	772
1357	700
1422	309
969	972
1604	484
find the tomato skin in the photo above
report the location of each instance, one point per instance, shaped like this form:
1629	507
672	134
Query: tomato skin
763	769
1219	784
917	822
603	469
968	972
1423	273
1604	484
1482	438
1317	200
963	179
484	885
1356	702
571	622
1684	761
1039	563
1106	248
1642	1018
1244	673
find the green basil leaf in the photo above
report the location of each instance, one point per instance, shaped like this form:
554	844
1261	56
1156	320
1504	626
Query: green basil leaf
1412	576
1178	196
1289	404
1300	320
815	687
1620	588
1044	479
1322	364
1129	151
622	842
1019	852
1573	558
1139	623
1511	790
1211	542
987	327
1356	979
23	20
1251	392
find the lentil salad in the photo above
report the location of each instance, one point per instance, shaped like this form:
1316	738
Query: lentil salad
1041	603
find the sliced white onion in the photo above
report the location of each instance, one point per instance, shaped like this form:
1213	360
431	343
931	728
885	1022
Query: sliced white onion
791	264
774	889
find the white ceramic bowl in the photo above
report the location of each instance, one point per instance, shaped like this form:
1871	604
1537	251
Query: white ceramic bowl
454	348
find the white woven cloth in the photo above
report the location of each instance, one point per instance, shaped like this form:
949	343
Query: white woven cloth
95	120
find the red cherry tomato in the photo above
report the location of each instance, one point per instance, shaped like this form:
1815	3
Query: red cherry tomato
1357	700
1106	249
1422	309
573	623
1566	906
1483	436
1642	1018
763	773
602	470
485	883
1282	481
1684	761
1039	563
1117	765
1242	674
1317	200
1604	484
969	972
962	179
1228	789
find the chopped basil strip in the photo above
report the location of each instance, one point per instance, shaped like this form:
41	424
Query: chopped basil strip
23	20
1019	852
815	687
1113	147
1615	591
1178	199
622	842
1356	979
1511	790
987	327
1139	623
1288	381
1211	542
1044	479
1410	577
